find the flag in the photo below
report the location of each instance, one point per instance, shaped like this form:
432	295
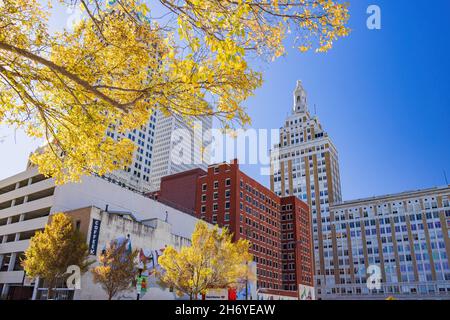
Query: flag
142	256
129	249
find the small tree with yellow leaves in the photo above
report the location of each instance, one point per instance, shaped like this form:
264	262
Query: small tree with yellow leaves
212	261
52	251
117	269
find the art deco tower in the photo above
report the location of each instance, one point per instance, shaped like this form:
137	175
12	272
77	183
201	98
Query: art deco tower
305	164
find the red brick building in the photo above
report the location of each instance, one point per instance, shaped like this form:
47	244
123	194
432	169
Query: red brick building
278	228
179	190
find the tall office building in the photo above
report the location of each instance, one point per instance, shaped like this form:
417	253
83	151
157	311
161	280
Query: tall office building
180	145
401	240
158	147
305	164
137	175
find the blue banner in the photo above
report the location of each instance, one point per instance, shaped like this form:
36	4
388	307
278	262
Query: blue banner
95	232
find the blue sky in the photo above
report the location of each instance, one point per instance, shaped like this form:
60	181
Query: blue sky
383	96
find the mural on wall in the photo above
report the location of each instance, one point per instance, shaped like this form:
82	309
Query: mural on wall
248	289
148	268
147	280
306	292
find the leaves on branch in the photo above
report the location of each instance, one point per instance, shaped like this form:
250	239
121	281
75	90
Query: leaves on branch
122	62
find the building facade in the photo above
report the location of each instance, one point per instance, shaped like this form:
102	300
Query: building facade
148	236
179	190
305	164
25	203
279	229
180	145
163	149
405	235
28	199
137	175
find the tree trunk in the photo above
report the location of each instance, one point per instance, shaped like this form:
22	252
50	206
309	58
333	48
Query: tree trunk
50	291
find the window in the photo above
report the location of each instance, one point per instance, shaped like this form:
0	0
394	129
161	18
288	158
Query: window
216	196
203	209
227	216
204	186
227	205
216	169
216	184
215	207
5	262
203	197
227	193
17	263
228	182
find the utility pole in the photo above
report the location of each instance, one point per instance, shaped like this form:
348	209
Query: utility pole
139	284
247	231
246	283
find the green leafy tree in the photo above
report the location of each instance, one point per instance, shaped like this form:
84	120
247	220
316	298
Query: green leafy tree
53	250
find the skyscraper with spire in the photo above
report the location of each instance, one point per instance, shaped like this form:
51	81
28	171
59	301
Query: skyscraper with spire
305	164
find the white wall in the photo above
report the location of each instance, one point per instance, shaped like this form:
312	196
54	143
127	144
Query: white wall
97	192
141	236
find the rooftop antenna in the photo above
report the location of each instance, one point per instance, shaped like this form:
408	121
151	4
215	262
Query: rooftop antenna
445	177
315	110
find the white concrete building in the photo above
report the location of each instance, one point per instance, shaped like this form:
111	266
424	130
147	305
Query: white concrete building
27	199
151	235
137	175
25	203
160	151
405	236
179	146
